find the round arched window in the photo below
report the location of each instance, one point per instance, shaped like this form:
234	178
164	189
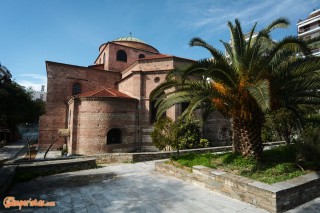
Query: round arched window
114	136
121	56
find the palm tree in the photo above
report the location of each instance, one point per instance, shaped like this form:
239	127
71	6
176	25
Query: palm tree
255	76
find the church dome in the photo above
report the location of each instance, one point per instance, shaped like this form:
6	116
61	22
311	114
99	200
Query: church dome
129	38
135	43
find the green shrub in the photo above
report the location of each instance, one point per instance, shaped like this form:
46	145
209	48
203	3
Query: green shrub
204	142
182	134
283	153
189	134
165	133
308	149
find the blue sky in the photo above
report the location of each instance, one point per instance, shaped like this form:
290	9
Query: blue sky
71	31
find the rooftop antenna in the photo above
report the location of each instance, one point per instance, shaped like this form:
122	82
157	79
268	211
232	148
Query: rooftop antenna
130	34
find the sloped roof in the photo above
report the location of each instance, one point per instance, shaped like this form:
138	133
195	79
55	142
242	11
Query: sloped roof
107	92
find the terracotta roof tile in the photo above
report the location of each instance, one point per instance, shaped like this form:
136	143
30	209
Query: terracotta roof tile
107	92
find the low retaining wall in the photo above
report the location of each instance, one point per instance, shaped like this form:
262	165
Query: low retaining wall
148	156
40	168
276	197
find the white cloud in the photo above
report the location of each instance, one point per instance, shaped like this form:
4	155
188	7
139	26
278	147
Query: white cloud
32	80
35	76
210	17
28	84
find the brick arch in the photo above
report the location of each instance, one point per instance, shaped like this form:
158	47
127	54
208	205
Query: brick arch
114	136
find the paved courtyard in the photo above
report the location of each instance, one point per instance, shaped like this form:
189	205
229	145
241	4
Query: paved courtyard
129	188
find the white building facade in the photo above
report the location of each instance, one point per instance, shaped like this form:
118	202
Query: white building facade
310	28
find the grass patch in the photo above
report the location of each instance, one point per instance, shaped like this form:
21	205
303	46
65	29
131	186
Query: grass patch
279	164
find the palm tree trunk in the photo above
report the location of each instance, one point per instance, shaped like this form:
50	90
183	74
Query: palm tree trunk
246	137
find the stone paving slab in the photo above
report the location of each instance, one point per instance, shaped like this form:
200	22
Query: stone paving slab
11	150
129	188
50	155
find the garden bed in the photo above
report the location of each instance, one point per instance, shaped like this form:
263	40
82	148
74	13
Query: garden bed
278	164
276	184
277	197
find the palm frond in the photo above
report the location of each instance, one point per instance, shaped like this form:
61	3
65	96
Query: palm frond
162	88
217	54
261	93
278	23
291	43
251	35
171	100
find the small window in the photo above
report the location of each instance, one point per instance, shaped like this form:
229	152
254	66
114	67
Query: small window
156	79
76	89
114	136
141	56
104	58
121	56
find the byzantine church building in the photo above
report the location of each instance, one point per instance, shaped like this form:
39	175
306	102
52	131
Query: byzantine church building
106	106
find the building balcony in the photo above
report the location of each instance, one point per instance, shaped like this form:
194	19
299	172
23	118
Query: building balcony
306	31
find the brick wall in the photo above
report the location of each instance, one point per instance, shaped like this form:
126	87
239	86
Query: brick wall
95	117
137	45
132	56
137	78
139	85
61	77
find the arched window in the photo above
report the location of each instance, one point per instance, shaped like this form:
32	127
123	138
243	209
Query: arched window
141	56
76	89
121	56
184	106
114	136
153	112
